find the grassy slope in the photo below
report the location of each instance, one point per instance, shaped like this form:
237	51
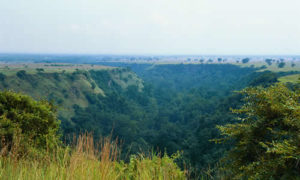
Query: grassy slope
273	67
31	68
62	83
290	78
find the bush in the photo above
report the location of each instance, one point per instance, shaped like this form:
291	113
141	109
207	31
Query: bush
31	124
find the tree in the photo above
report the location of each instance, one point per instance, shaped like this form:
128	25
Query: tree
21	74
268	61
281	64
266	138
245	60
32	124
39	70
293	64
2	77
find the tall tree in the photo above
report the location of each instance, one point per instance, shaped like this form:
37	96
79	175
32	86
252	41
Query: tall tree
267	137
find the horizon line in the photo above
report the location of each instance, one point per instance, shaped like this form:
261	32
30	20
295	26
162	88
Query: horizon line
137	54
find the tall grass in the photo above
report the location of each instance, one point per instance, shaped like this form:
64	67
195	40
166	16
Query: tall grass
87	160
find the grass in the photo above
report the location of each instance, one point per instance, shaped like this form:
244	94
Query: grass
86	160
10	69
290	78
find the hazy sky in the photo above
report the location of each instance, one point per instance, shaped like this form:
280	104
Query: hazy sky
150	26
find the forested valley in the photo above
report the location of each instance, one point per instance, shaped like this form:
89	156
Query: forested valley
165	108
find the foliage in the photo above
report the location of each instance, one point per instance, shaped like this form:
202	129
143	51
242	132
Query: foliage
177	109
269	61
182	77
245	60
264	79
39	70
281	64
142	167
2	77
266	138
31	124
21	74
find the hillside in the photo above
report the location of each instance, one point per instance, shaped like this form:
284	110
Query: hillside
65	84
31	148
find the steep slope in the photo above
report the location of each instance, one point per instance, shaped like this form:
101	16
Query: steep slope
67	88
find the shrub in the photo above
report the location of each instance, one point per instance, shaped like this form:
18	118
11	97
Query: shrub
93	84
56	76
32	124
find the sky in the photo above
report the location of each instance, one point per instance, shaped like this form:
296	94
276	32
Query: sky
160	27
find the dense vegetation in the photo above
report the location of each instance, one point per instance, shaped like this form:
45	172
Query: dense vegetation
30	149
31	124
166	109
177	109
266	138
